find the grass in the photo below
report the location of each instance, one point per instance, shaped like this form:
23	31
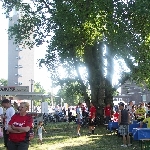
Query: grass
62	136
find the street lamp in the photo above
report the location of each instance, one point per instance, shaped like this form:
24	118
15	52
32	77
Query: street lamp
32	82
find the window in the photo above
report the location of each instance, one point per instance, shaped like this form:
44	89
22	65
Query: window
20	66
17	48
18	57
19	75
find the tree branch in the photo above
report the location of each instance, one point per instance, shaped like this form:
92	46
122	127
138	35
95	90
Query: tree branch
47	6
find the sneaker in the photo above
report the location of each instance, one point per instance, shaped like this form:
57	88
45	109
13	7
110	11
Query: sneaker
129	144
78	134
123	145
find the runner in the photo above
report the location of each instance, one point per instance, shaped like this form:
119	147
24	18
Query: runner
92	114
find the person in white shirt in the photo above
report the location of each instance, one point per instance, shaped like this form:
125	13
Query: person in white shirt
8	114
131	111
129	107
1	116
1	111
79	118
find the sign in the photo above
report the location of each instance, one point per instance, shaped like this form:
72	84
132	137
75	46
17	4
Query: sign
144	98
14	88
44	107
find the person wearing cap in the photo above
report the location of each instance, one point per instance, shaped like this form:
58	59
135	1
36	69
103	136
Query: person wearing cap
123	121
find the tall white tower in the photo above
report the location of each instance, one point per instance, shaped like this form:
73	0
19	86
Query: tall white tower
20	62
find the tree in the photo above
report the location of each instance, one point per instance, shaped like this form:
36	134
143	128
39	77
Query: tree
40	89
71	93
3	82
81	28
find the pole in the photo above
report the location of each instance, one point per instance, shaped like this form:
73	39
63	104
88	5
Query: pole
32	106
31	87
32	82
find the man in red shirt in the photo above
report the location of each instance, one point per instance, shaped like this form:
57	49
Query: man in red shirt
116	116
107	113
92	114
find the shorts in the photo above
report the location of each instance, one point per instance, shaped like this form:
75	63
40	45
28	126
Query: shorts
79	121
140	120
123	129
107	119
91	123
40	136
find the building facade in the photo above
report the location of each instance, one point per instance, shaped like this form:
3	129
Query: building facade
130	91
20	62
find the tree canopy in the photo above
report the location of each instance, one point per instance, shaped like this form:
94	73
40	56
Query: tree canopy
76	32
71	92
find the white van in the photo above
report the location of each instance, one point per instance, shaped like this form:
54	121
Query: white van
117	102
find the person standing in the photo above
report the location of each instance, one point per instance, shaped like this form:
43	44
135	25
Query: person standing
8	115
19	128
129	107
107	113
92	114
79	118
140	113
123	121
1	118
40	128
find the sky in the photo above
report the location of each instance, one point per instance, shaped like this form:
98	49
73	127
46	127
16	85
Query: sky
40	74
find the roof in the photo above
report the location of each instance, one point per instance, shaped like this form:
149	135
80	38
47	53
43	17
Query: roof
22	93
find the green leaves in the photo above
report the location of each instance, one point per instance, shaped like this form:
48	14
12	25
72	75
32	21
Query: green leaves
73	29
71	92
3	82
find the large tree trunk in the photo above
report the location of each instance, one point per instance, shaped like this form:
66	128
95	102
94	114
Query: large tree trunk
109	77
94	61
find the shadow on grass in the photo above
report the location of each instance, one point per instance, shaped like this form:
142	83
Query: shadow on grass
63	137
103	142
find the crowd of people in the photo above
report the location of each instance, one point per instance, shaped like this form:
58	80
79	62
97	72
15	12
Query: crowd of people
126	115
18	126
